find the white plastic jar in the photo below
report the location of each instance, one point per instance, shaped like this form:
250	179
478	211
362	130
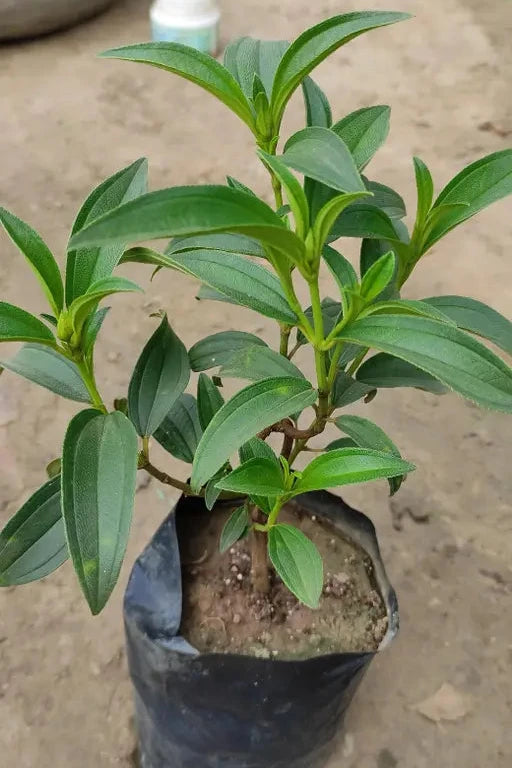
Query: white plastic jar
191	22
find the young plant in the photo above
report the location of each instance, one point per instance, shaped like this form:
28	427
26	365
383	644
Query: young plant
244	252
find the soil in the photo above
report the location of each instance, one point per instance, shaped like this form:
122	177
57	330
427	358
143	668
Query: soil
68	119
222	614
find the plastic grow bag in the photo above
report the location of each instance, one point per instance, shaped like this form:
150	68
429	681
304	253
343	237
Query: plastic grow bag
196	710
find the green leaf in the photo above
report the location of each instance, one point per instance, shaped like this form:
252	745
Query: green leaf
234	528
193	65
293	189
386	199
407	307
82	307
474	316
347	390
161	375
257	362
318	109
236	184
247	57
364	132
366	434
99	467
329	213
218	348
341	269
182	211
33	543
376	279
345	466
205	293
320	154
209	399
88	265
49	369
262	477
473	189
315	44
212	493
18	325
252	409
298	562
341	442
38	256
180	431
384	370
247	283
218	242
53	469
424	190
364	220
91	330
456	359
259	449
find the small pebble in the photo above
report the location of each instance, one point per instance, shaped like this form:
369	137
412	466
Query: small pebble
237	618
313	518
239	576
275	653
227	582
232	551
234	569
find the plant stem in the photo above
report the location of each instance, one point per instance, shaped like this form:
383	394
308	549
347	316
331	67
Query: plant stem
260	573
166	479
357	362
90	383
278	191
285	337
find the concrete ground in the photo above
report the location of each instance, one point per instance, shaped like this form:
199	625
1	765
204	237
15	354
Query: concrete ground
67	121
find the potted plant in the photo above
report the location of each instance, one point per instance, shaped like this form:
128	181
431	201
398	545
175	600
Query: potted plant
250	660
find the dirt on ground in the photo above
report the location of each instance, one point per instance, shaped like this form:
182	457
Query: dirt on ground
441	694
222	613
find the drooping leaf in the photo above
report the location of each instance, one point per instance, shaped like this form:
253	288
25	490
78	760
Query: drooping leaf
217	349
182	211
294	191
38	256
160	376
252	409
209	399
341	269
218	242
259	449
345	466
261	477
320	154
99	467
18	325
384	370
315	44
180	431
234	528
329	213
366	434
347	390
378	277
86	266
33	543
211	492
318	109
91	330
82	306
424	191
247	57
49	369
364	132
236	184
298	562
456	359
193	65
407	307
257	362
474	316
473	189
249	284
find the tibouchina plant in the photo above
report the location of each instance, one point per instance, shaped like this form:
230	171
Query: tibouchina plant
244	252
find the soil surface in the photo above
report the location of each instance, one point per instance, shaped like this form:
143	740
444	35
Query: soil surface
441	694
221	614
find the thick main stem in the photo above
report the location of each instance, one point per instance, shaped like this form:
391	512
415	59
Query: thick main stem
260	572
